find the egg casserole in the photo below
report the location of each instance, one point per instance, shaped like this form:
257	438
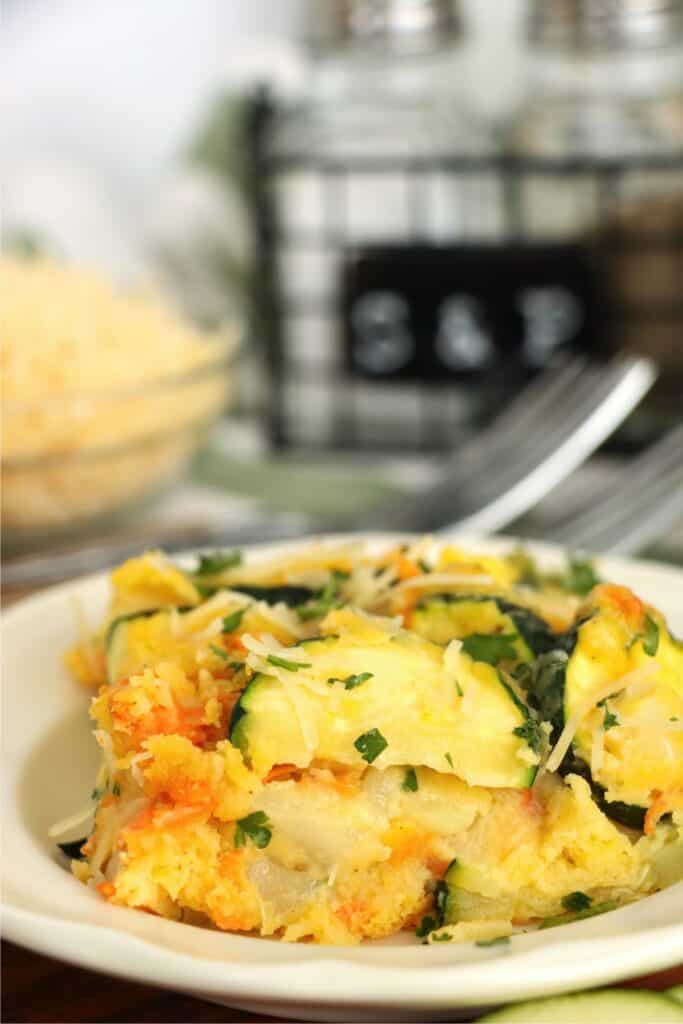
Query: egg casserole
343	743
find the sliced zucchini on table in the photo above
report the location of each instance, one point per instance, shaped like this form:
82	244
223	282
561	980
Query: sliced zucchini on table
608	1006
388	700
496	629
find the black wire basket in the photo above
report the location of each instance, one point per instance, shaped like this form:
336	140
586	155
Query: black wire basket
411	339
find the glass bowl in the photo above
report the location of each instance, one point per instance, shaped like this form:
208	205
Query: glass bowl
73	461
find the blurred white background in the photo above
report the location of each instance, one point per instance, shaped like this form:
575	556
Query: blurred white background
101	100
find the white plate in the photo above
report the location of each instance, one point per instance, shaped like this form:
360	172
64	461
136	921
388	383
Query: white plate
49	760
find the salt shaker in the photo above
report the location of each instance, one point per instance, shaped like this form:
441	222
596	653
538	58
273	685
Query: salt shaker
363	168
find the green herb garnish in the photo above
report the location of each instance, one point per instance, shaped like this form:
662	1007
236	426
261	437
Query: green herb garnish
580	577
370	745
501	940
211	565
576	901
442	937
449	759
351	682
116	789
255	827
423	565
610	720
219	652
458	689
409	783
291	666
327	599
531	732
651	638
490	648
599	908
96	793
233	621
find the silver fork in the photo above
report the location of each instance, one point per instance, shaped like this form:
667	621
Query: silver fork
545	434
635	509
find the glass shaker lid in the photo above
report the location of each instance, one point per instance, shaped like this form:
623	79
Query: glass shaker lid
394	24
605	24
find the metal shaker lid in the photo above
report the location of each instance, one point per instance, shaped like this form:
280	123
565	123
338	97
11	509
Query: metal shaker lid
613	25
391	24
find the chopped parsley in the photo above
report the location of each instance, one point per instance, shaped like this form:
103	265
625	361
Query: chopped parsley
211	565
327	599
116	789
351	682
500	940
424	565
593	911
651	638
370	745
291	666
490	648
610	720
233	621
580	577
96	793
255	827
409	784
458	689
531	732
442	937
449	759
426	925
576	901
219	652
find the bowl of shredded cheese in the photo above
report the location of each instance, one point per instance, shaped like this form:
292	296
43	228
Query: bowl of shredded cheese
106	396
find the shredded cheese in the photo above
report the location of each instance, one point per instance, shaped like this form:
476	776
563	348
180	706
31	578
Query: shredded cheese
632	682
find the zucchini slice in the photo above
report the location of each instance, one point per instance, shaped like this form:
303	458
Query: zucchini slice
387	700
136	640
630	735
604	1007
446	617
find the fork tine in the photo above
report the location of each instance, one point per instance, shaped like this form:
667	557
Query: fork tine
545	431
647	499
507	471
513	423
558	446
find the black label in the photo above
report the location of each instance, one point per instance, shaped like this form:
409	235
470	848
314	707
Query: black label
429	312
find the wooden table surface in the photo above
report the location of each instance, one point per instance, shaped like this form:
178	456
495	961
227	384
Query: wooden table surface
37	988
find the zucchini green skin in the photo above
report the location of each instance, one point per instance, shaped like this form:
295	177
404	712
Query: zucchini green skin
72	850
547	695
286	594
536	634
236	727
603	1007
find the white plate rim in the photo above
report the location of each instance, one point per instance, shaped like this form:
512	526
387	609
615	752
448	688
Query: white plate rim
325	976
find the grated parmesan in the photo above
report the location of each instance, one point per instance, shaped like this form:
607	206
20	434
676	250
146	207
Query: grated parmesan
632	683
